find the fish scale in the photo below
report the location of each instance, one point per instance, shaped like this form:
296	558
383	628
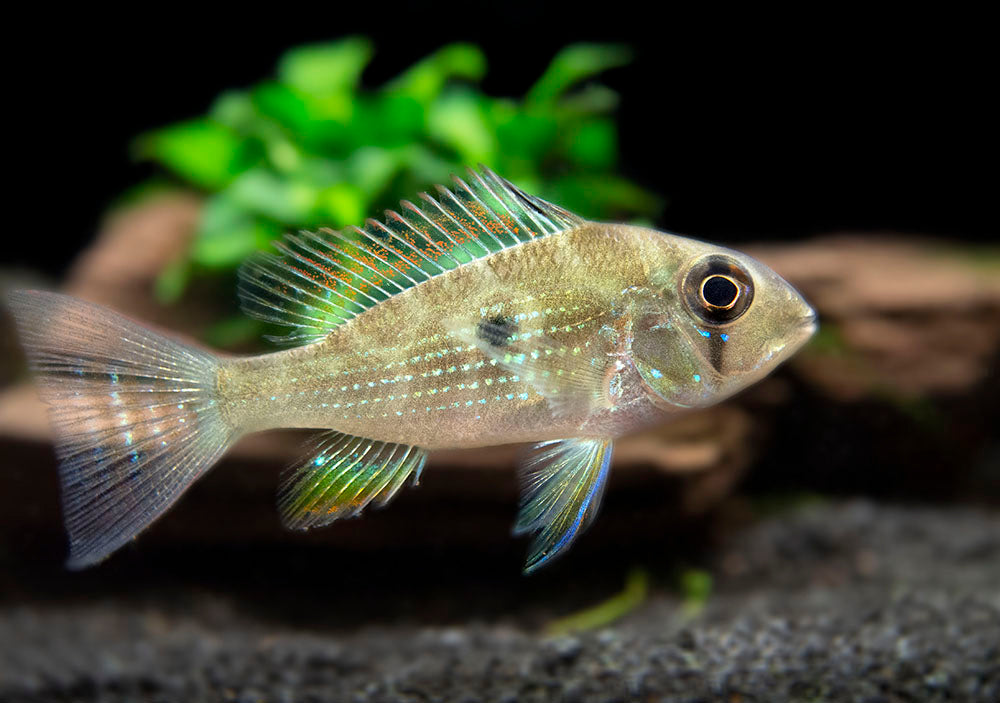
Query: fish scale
483	316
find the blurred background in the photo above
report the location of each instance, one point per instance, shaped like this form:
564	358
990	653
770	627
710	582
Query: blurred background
830	533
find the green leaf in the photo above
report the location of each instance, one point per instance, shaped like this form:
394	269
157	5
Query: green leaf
320	171
591	99
201	151
283	154
302	114
593	145
281	104
262	192
528	136
573	64
461	60
422	166
341	205
389	120
236	110
458	120
228	233
425	80
326	69
371	169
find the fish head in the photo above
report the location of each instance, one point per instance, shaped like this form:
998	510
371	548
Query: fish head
714	322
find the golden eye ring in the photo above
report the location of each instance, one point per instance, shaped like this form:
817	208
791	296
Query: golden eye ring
720	288
717	289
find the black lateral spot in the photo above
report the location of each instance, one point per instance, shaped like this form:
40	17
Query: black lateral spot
496	331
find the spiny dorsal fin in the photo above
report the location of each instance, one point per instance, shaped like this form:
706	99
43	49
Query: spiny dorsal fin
320	280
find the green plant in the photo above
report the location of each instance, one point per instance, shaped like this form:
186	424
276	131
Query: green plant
314	148
632	596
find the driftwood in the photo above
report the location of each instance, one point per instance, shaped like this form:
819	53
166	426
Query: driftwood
910	332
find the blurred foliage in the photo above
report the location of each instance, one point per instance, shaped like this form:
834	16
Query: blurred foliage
696	587
618	606
314	148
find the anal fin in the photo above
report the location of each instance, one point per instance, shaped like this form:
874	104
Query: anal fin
562	484
343	476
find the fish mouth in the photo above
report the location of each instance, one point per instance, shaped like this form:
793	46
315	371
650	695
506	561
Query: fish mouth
809	322
807	325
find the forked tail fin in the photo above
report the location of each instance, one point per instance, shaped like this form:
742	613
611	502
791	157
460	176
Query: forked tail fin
136	416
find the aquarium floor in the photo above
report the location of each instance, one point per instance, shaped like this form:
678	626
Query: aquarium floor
846	601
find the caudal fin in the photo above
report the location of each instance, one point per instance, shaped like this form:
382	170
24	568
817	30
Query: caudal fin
135	414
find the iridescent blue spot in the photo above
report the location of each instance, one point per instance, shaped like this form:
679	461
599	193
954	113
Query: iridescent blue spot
704	333
724	337
656	373
114	377
319	460
697	378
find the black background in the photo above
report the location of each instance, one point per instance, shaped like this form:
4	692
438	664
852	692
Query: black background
752	126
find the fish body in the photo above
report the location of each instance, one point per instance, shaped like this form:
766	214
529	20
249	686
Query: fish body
484	317
435	382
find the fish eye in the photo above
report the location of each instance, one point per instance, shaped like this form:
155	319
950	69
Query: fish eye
717	289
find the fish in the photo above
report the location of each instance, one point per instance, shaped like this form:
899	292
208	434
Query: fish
480	317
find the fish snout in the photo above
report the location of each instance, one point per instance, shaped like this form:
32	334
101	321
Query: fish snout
805	325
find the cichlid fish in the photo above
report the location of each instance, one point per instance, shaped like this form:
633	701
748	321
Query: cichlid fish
486	316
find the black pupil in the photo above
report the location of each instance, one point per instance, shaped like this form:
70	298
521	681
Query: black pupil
719	291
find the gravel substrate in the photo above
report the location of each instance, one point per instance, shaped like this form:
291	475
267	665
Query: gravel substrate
838	602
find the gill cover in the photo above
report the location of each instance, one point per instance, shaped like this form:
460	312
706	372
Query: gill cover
680	349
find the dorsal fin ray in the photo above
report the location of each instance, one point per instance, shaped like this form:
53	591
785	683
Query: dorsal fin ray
319	280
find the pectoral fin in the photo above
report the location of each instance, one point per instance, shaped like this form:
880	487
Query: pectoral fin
562	484
344	475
